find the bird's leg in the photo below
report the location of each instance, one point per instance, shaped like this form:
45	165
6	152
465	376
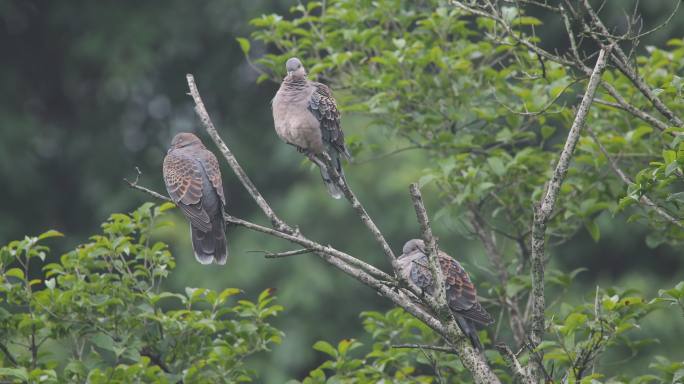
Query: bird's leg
314	159
297	147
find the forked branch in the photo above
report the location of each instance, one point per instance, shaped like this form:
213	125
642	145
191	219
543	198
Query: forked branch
383	283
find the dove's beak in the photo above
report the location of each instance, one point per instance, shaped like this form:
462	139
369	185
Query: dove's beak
289	73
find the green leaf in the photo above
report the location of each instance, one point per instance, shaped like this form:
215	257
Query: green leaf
527	20
165	207
547	131
103	341
325	347
15	272
244	45
19	373
679	196
425	179
226	293
497	165
593	229
50	233
669	156
347	344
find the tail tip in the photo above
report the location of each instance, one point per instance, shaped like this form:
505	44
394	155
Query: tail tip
204	259
221	259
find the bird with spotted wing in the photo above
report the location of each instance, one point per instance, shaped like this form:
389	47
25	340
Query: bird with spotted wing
193	181
305	115
460	291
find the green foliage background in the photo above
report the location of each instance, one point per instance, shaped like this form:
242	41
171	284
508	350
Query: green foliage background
90	91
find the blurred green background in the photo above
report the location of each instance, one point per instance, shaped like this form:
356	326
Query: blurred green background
90	90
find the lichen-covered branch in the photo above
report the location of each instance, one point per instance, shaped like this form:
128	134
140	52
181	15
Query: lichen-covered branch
514	364
543	212
433	249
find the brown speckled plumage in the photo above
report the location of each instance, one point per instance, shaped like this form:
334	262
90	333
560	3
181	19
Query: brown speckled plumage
460	291
305	115
193	181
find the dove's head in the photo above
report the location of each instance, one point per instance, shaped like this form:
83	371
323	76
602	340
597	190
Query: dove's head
184	139
295	68
413	245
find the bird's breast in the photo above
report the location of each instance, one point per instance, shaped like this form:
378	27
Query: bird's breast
297	125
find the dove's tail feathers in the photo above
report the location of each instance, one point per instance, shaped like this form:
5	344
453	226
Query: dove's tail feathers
468	327
333	189
210	246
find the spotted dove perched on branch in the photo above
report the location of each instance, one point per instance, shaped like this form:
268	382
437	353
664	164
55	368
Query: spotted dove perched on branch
193	180
460	291
306	116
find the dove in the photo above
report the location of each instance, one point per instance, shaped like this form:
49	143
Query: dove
193	181
460	291
305	115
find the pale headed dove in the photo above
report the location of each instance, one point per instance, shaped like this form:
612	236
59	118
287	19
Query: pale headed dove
460	291
305	115
193	180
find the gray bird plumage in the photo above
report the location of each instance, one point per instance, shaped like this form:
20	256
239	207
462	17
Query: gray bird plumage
193	181
305	115
460	291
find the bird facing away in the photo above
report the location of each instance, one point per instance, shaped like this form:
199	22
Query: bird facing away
460	291
305	115
193	180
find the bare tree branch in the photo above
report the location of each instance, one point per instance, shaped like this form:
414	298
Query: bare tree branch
433	250
360	210
626	106
134	185
430	347
620	59
8	354
514	364
576	61
367	274
644	199
472	360
230	158
543	212
496	258
276	255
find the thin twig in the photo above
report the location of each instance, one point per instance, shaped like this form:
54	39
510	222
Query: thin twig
644	199
326	162
514	364
626	106
430	347
620	59
496	258
388	154
134	185
316	247
275	255
8	354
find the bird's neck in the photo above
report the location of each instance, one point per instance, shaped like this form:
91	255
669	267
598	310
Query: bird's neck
294	83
